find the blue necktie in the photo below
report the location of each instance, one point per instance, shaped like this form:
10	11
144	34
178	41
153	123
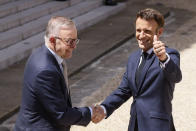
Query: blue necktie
140	67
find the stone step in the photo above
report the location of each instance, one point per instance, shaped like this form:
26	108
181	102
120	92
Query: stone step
19	33
22	49
4	1
73	2
16	6
23	17
82	23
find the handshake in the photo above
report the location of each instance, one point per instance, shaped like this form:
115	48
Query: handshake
97	114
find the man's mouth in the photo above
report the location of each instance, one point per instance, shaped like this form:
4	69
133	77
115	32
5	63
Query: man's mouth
142	42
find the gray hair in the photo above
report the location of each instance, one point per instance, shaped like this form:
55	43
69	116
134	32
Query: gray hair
56	23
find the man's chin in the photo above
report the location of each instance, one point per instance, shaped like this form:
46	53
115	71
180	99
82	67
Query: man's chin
141	46
67	56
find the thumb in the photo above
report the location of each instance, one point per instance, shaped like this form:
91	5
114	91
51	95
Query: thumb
155	38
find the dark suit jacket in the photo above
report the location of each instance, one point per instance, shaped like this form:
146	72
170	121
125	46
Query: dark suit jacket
46	105
152	98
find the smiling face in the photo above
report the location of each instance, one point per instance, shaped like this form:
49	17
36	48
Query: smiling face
145	31
62	48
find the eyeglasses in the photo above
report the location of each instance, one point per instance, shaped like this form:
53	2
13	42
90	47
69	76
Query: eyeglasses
69	41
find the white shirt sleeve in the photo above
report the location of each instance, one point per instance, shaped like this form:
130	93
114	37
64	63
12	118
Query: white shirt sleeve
91	111
105	112
162	64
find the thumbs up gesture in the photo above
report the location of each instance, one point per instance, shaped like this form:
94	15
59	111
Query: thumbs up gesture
159	49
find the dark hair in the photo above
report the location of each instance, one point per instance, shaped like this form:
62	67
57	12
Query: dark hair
151	14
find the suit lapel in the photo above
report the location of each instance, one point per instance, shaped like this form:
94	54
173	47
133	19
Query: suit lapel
54	61
65	76
65	88
135	66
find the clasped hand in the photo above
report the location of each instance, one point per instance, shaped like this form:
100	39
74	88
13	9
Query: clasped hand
98	114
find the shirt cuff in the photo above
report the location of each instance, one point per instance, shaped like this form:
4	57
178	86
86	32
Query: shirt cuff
91	110
104	110
103	107
162	64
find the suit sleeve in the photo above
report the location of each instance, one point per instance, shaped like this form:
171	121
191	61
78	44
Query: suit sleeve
172	68
50	95
118	96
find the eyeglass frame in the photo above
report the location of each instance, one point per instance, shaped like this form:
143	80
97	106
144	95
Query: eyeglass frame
69	41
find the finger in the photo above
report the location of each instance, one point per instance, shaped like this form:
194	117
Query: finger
160	53
155	38
160	48
97	114
158	44
156	48
99	109
96	120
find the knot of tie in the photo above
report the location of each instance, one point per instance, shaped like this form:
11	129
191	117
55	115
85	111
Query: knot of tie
144	56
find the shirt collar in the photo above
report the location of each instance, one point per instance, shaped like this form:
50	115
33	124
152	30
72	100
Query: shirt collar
58	58
149	51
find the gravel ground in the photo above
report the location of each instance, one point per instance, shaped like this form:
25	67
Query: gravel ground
184	103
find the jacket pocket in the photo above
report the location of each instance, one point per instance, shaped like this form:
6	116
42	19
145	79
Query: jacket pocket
158	115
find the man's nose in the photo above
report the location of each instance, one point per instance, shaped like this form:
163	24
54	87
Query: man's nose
142	35
73	46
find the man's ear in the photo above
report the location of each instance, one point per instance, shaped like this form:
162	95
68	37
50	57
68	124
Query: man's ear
52	40
160	31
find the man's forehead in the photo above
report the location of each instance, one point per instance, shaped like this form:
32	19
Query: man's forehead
68	32
143	22
65	28
147	20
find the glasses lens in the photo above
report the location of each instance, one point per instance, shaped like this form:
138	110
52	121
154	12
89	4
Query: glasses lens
73	42
77	41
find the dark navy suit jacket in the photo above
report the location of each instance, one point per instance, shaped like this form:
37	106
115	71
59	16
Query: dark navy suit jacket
152	98
46	105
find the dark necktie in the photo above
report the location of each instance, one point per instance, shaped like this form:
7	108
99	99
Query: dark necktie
140	67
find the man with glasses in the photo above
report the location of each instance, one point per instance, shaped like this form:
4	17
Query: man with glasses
46	102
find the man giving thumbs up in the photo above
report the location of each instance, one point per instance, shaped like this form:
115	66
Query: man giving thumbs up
159	49
150	78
